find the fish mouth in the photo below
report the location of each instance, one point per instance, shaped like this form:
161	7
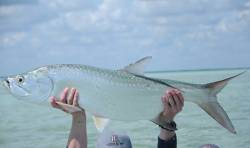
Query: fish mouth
7	83
4	85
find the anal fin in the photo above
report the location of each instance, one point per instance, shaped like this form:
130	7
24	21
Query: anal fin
100	123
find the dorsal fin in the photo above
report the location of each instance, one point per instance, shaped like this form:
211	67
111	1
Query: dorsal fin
138	67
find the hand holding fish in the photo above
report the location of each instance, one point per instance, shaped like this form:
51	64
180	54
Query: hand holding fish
68	101
173	102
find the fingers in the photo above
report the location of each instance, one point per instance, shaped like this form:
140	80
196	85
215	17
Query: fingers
68	95
53	102
164	100
178	103
75	100
71	95
166	104
175	100
171	100
181	98
64	95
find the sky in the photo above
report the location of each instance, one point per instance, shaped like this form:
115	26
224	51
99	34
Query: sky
178	34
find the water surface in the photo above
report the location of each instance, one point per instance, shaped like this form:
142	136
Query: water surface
26	125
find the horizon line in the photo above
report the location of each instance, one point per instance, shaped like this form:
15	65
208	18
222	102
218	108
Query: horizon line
205	69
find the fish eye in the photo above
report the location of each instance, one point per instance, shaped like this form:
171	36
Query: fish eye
20	79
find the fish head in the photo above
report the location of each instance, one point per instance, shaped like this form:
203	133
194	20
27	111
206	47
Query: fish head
31	86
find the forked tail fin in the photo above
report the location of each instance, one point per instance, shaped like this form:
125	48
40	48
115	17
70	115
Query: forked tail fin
213	108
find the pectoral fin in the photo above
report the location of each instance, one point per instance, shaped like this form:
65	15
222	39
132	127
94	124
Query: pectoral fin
100	123
68	108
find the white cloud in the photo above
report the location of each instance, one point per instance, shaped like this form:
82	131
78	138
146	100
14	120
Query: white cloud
72	5
126	29
11	39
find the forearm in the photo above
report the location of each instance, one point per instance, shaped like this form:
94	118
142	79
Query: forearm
78	133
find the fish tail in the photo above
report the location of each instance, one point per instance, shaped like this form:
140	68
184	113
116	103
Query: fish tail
212	106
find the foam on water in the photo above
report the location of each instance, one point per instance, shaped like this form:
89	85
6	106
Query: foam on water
27	125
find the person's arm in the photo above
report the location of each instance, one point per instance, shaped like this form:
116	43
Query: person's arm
173	102
78	134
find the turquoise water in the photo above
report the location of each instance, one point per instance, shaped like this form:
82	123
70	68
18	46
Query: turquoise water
26	125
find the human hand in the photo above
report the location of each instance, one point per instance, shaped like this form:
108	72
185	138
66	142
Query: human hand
173	102
68	101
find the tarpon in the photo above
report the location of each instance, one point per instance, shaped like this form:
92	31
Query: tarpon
125	94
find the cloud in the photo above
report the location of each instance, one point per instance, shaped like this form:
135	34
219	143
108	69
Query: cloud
174	32
17	2
23	17
12	39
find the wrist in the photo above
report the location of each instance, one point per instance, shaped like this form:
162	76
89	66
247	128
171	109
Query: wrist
79	114
78	117
168	117
169	126
168	130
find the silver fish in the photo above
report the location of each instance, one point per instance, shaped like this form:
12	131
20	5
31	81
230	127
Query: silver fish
125	94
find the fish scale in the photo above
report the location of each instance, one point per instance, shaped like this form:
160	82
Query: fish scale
126	89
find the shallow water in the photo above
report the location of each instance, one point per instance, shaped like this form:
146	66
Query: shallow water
27	125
